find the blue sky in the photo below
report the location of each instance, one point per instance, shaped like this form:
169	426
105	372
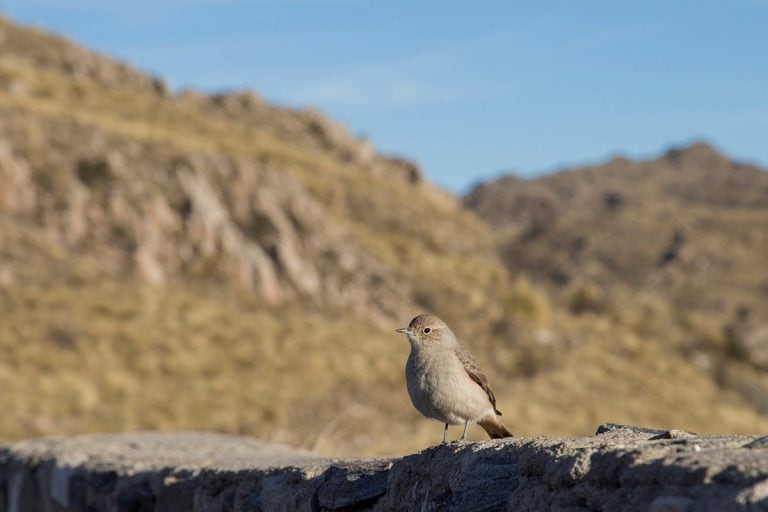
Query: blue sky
469	90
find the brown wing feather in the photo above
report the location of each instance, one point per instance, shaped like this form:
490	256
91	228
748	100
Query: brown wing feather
476	374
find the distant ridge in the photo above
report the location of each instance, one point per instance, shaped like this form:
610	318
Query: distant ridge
687	228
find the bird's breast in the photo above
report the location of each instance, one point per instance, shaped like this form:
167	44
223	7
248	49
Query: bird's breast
440	388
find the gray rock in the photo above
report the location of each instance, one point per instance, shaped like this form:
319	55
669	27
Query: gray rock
621	468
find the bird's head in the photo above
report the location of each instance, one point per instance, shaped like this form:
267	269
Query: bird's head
428	330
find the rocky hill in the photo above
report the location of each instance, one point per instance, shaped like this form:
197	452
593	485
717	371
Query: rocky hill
642	223
188	186
687	231
157	245
190	261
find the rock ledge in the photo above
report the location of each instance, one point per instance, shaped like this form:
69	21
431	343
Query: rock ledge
620	468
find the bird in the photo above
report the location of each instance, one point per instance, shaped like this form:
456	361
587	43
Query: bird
445	382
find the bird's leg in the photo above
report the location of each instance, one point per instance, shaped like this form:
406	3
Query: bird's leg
445	434
464	435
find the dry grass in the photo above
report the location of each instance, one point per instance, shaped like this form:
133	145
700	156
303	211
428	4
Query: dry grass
87	353
98	353
87	350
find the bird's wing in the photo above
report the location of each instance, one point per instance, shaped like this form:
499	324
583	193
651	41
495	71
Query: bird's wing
476	374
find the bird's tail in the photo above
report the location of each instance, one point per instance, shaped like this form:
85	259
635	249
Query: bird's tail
494	427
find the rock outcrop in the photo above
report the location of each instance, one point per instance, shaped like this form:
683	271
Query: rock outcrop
200	209
167	214
620	468
16	194
223	188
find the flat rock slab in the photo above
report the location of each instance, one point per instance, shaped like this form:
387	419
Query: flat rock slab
620	468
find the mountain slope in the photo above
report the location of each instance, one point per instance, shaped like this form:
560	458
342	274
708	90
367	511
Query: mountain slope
190	167
637	222
193	261
190	261
685	232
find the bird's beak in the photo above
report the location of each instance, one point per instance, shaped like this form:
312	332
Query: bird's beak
404	330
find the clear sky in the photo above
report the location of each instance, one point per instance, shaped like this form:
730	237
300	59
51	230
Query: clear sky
467	89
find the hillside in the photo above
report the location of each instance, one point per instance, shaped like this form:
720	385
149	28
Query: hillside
191	261
686	232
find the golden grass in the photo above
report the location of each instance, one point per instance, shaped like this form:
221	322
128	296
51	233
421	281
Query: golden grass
88	351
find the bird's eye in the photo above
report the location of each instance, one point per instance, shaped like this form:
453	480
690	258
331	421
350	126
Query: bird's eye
427	330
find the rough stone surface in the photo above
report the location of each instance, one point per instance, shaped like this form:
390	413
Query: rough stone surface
621	468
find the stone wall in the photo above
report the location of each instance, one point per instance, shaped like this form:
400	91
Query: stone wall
620	468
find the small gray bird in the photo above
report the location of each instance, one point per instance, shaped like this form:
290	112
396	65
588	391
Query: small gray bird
445	382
